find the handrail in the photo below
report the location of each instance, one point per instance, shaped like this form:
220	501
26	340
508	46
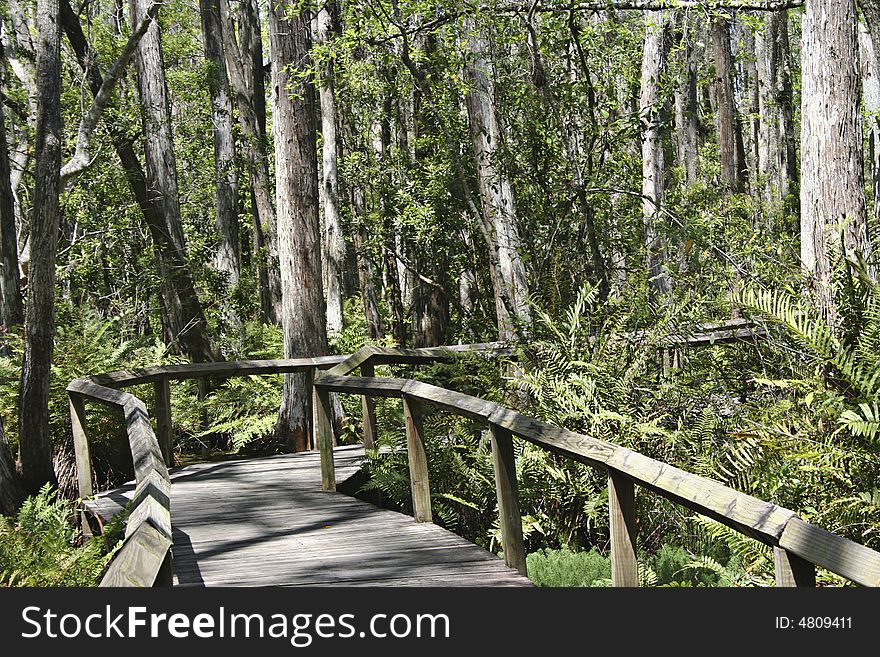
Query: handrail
145	556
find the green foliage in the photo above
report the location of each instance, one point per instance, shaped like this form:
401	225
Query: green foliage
563	567
42	548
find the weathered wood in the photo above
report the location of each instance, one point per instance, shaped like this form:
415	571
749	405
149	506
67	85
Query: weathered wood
368	406
791	570
832	552
748	515
508	499
449	400
418	460
360	385
162	411
622	513
145	451
581	448
140	560
81	448
324	437
100	393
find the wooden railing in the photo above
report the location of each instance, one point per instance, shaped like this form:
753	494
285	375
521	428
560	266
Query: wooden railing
799	547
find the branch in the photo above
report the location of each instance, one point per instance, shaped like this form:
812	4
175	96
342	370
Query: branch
533	7
81	160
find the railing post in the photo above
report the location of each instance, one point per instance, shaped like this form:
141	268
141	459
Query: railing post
162	411
369	409
504	462
791	570
622	511
82	453
323	431
418	460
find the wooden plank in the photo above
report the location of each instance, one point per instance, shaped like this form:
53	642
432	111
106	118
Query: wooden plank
508	499
581	448
449	400
368	405
353	362
162	411
145	451
140	560
324	437
418	460
81	446
359	385
748	515
791	570
99	393
832	552
622	512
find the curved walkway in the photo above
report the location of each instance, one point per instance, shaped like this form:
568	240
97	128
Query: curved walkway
266	522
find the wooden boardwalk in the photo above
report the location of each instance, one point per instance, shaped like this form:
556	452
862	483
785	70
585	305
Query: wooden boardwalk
266	522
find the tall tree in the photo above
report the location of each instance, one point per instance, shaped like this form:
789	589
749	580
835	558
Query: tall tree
226	193
35	443
296	185
832	173
244	64
334	241
499	220
183	317
687	108
730	136
871	86
11	308
654	60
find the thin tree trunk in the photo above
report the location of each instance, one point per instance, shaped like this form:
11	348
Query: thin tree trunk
11	492
184	320
244	63
832	173
228	256
334	241
11	308
730	139
496	194
653	167
687	110
35	442
365	269
299	244
871	92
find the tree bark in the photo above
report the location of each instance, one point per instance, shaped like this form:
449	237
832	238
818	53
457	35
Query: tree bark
654	59
299	244
183	318
832	174
372	316
334	241
244	64
871	93
11	492
35	442
11	307
496	195
730	137
228	257
687	109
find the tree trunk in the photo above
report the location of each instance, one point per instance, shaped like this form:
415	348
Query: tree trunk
226	212
653	167
11	493
871	87
183	319
832	174
299	244
11	308
496	195
730	138
244	63
687	110
35	443
334	241
365	269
